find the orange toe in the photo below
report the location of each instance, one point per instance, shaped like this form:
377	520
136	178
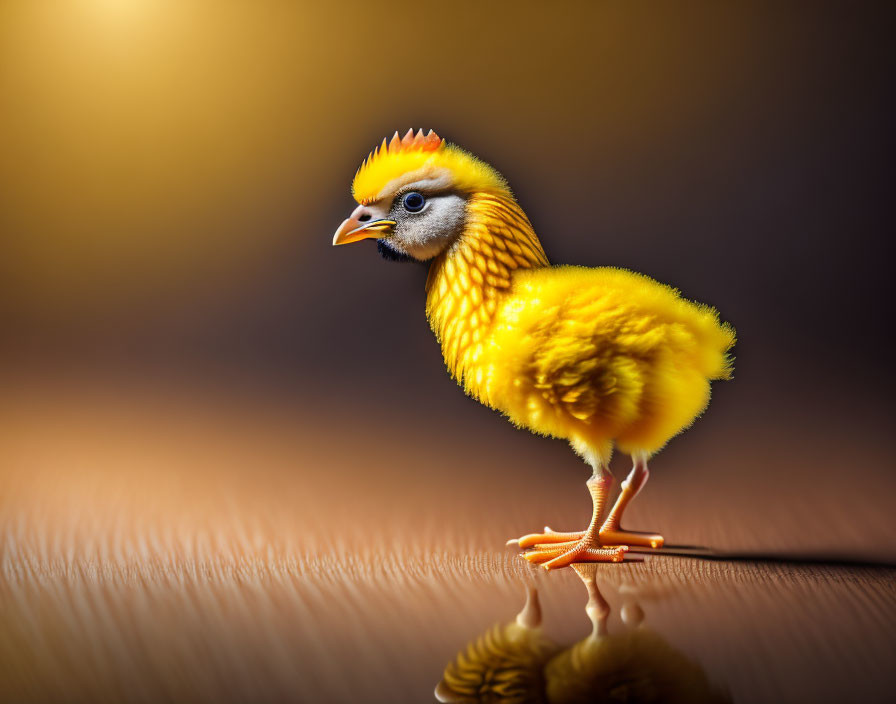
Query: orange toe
581	553
547	538
617	536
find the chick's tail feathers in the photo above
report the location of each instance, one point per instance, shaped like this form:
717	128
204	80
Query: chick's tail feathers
714	343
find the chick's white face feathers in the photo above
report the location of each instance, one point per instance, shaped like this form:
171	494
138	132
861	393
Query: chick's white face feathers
418	221
426	221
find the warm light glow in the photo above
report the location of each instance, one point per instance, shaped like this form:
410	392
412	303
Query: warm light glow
120	9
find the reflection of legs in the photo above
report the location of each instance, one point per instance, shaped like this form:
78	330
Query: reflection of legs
553	550
611	532
597	608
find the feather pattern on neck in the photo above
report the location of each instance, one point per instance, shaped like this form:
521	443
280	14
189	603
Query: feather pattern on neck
468	282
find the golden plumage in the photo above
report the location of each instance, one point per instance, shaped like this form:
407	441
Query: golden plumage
590	355
602	357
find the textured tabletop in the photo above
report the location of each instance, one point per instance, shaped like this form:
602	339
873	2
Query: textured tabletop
239	549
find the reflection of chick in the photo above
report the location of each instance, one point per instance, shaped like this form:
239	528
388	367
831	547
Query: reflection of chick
505	664
516	663
596	356
634	666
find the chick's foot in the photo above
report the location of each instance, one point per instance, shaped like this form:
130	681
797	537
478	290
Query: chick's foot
608	543
609	535
588	548
554	549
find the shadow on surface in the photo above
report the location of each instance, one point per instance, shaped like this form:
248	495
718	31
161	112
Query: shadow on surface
705	553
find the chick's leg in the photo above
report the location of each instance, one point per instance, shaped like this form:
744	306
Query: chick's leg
553	550
599	487
611	532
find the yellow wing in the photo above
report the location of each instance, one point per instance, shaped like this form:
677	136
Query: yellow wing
600	354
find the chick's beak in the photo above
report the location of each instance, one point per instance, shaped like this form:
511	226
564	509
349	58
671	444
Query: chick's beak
365	222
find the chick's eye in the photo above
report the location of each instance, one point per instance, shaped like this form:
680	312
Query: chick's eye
413	202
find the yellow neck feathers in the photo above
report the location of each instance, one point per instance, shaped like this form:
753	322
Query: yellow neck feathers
467	283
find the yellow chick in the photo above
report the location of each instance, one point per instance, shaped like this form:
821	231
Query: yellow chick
601	357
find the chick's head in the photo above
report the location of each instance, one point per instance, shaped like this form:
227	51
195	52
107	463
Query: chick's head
412	193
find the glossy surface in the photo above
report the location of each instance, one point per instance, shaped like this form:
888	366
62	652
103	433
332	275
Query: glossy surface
235	550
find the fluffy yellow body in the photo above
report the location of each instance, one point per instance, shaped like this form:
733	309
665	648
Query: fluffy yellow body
596	356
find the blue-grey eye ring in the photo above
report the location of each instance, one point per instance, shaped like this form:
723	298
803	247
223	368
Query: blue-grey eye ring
413	202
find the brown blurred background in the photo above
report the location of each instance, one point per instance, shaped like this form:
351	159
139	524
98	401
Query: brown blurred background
171	173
